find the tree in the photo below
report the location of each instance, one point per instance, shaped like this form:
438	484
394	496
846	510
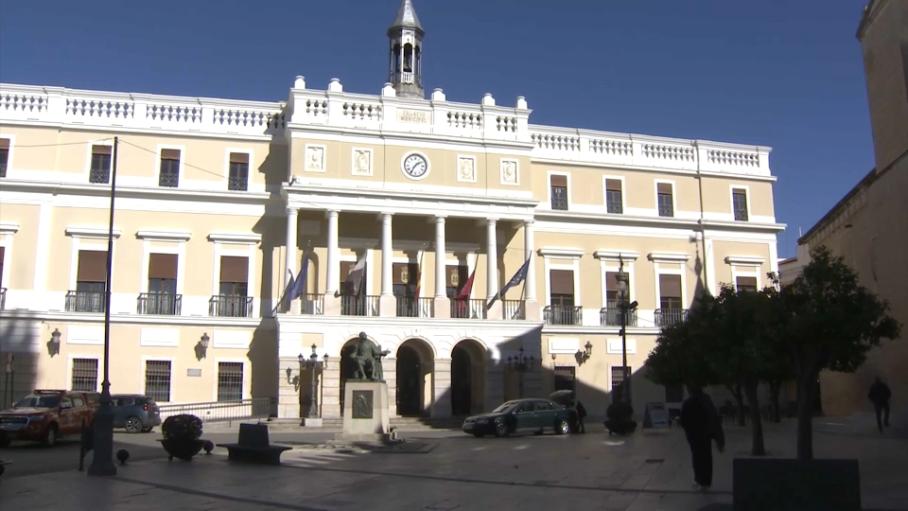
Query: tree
830	322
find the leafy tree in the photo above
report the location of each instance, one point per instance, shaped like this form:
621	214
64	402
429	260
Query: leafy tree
830	322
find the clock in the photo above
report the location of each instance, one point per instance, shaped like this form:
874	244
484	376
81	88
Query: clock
415	166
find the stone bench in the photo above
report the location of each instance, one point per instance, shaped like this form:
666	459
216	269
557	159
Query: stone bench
254	447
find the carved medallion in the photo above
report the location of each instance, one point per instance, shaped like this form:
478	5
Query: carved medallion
362	404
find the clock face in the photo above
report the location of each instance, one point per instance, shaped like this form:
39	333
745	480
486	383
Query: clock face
415	165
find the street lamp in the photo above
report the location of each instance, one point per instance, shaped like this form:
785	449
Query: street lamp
521	363
314	365
623	296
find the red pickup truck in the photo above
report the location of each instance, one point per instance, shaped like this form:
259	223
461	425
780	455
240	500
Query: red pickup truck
46	416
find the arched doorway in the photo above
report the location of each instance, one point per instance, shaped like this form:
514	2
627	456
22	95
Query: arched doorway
467	378
346	368
415	368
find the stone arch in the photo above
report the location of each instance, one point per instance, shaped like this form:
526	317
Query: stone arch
468	375
415	377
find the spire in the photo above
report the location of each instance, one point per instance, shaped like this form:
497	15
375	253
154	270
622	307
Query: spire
406	18
405	58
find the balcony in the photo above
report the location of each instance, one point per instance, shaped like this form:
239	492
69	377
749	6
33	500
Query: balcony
409	307
163	304
610	315
464	308
84	301
514	309
362	305
313	304
563	315
669	317
230	306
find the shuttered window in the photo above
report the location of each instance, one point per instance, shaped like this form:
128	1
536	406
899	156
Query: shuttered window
162	273
230	381
92	266
85	374
157	380
170	168
665	201
670	291
559	192
238	172
739	203
746	283
234	279
100	164
4	155
613	202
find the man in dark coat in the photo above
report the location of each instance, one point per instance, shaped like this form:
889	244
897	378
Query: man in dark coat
701	425
879	395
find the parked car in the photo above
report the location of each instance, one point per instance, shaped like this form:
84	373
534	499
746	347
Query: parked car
45	416
520	415
135	412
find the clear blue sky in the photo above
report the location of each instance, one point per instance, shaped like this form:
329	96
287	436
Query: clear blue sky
783	73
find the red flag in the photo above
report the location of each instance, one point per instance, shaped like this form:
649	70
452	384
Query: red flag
467	288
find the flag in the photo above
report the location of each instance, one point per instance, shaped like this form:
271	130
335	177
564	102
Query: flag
467	288
284	301
355	277
516	279
299	285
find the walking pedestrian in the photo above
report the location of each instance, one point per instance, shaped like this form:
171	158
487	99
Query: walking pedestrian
581	413
879	395
701	425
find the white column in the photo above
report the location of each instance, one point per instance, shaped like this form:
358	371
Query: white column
386	255
440	257
491	258
290	256
333	256
528	247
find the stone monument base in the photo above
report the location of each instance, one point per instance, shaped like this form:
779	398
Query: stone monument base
365	411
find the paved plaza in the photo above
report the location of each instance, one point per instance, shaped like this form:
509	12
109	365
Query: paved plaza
447	470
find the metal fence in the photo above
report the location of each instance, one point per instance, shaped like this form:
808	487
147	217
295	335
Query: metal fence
514	309
223	411
468	308
668	317
359	305
563	314
84	301
313	304
233	306
610	315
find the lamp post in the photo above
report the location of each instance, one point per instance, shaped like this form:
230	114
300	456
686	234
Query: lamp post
314	365
623	296
521	363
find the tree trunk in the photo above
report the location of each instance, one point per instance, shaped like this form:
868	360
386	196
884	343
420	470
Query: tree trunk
807	383
739	402
757	447
775	388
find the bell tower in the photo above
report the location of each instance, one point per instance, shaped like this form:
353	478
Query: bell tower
405	60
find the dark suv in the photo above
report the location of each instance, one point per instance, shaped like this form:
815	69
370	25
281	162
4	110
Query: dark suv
135	412
45	416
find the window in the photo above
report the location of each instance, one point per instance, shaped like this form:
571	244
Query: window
85	374
559	192
564	378
232	300
665	201
157	380
90	280
669	291
170	168
618	381
100	164
238	172
746	283
739	203
230	381
613	202
4	155
405	278
162	297
455	280
562	310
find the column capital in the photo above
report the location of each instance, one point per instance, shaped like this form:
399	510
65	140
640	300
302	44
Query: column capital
529	222
492	220
440	219
291	210
331	212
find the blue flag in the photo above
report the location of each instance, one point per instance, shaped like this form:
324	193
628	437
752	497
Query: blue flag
299	285
516	279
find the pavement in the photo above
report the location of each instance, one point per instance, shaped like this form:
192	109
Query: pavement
447	470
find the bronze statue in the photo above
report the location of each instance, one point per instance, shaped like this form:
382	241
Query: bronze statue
367	359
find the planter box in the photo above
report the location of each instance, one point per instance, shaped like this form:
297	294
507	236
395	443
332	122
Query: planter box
784	484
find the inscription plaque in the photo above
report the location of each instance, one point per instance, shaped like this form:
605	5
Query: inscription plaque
362	404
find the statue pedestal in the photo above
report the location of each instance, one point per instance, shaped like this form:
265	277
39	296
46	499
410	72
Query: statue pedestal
365	411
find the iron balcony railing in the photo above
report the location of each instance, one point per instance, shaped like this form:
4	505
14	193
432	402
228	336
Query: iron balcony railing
465	308
610	315
230	306
668	317
163	304
514	309
563	314
84	301
2	298
362	305
411	307
313	304
221	411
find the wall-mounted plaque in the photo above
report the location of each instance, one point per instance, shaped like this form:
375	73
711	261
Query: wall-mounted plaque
193	372
362	404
